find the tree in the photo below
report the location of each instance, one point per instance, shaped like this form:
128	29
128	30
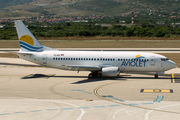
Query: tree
129	33
159	33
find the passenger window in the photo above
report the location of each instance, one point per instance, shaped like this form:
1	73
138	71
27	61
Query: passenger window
53	58
94	58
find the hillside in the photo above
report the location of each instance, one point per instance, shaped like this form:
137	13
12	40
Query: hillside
6	3
56	8
126	7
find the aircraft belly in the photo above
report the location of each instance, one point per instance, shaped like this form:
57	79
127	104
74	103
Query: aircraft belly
133	69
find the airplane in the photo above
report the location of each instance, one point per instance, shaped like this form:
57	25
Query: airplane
103	63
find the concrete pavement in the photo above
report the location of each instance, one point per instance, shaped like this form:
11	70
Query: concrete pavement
37	93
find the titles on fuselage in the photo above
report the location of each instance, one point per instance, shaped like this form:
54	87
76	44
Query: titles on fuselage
138	63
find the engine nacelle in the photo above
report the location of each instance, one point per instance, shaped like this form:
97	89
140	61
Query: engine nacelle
110	71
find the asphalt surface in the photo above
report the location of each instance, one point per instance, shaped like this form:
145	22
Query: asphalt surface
28	91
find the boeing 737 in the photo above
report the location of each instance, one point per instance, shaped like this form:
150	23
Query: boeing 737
104	63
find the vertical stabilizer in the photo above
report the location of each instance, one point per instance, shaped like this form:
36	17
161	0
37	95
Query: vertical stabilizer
27	40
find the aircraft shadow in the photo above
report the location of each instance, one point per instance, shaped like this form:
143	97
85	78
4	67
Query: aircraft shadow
146	78
89	80
31	76
97	79
120	78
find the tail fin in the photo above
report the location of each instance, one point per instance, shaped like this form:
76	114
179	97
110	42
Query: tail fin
27	40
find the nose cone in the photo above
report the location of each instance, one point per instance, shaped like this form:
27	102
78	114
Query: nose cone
172	64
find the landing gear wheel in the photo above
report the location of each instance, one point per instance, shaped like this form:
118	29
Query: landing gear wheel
90	76
156	76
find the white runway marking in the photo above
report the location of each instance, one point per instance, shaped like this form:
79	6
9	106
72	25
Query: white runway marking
146	117
82	111
119	111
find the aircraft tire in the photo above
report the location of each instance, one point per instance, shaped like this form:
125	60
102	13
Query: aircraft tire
90	76
156	76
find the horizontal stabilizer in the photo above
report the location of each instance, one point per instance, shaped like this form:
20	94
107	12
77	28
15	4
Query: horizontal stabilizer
24	53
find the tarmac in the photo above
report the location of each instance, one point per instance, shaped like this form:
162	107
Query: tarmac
36	93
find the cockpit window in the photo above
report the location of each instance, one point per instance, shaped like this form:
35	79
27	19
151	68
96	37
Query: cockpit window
164	59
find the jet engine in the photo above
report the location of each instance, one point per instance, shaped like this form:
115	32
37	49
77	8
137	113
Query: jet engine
110	71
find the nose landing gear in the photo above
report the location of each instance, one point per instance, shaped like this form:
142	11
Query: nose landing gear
156	76
90	75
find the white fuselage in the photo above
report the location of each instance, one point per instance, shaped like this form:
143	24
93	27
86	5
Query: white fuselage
104	63
125	61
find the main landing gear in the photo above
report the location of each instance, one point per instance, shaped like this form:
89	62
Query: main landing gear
93	74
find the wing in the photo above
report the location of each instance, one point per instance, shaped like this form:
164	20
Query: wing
87	67
84	67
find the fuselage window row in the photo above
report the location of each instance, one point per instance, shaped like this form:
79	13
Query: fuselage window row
101	59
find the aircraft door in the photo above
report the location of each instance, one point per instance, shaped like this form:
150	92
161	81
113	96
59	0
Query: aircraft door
161	64
44	59
152	61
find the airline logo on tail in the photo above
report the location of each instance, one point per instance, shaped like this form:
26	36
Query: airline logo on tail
27	43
